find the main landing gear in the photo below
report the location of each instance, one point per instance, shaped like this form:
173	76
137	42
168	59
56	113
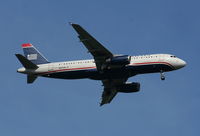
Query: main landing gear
162	76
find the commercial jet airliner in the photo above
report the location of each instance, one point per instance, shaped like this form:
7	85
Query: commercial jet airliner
113	70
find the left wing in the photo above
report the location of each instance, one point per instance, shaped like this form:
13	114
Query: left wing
100	54
98	51
110	89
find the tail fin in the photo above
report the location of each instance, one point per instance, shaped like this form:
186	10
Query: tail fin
32	54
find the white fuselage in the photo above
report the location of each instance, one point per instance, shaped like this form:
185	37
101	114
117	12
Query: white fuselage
138	65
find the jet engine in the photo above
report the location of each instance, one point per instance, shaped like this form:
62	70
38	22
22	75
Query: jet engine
129	87
119	60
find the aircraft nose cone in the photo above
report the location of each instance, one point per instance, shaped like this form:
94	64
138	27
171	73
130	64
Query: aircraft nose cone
181	64
184	63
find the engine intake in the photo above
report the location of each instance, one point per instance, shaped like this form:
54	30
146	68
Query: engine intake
129	87
119	60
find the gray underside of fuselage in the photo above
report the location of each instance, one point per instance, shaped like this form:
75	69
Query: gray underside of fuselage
125	72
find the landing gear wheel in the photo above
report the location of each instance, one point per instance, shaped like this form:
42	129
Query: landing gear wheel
162	76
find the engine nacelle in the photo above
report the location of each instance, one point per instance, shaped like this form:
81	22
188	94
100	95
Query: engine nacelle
119	60
129	88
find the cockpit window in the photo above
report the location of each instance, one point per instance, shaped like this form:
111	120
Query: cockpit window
173	56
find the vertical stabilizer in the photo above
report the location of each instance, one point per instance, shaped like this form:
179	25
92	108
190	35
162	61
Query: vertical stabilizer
32	54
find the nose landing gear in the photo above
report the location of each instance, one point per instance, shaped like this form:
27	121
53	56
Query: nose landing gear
162	76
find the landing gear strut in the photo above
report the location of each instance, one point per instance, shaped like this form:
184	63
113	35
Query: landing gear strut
162	76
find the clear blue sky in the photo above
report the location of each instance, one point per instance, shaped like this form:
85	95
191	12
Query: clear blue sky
71	107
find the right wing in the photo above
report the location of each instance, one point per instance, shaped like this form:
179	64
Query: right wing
110	89
99	52
107	95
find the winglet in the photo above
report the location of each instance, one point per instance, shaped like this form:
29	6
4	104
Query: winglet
70	23
74	25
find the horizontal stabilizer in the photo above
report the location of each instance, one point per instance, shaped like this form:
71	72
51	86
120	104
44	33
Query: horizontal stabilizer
31	78
25	62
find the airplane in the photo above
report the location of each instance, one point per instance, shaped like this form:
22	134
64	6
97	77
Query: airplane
112	69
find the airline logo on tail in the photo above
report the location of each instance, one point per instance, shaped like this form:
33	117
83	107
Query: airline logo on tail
32	56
